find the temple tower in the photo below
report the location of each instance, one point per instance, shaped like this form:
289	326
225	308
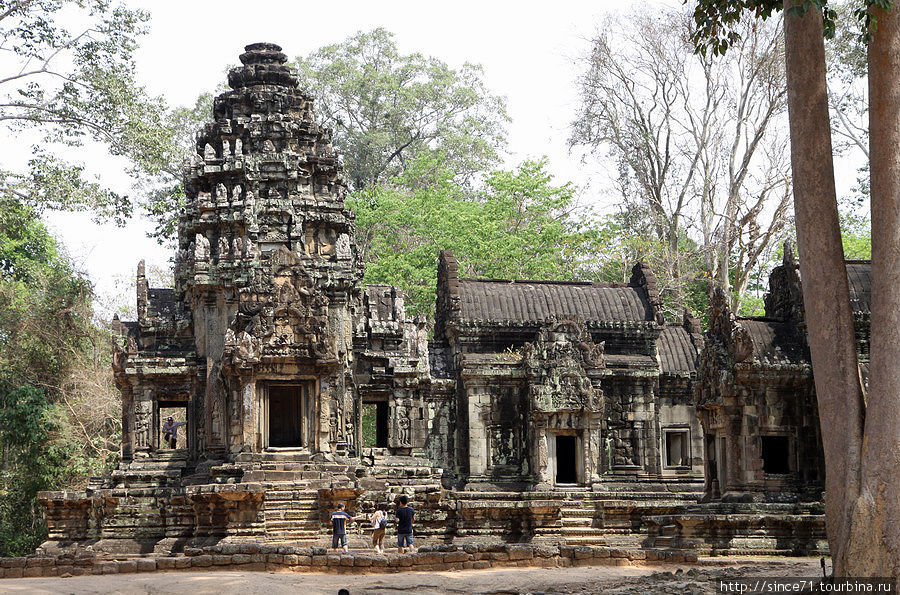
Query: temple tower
267	266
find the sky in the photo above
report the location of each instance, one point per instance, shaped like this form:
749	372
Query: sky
530	53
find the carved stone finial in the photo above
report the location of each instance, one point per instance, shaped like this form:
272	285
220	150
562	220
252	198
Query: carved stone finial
263	64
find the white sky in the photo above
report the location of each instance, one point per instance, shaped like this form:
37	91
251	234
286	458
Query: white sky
528	50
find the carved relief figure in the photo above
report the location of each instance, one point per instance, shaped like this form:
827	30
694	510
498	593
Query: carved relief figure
201	247
142	413
403	425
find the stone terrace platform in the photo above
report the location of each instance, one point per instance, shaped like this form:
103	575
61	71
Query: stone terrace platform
259	557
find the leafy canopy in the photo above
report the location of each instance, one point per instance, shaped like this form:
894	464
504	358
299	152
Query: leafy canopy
52	428
387	107
521	225
68	80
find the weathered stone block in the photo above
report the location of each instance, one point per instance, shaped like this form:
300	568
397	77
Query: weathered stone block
12	562
456	557
221	560
128	566
202	561
182	562
520	552
583	553
290	559
108	567
165	563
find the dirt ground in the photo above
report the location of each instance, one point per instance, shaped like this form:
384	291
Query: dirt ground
680	580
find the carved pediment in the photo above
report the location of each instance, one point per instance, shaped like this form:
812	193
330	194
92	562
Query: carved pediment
285	316
558	365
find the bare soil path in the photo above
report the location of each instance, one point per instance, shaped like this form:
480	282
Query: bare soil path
642	580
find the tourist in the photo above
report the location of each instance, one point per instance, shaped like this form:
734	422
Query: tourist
170	430
339	528
379	526
405	514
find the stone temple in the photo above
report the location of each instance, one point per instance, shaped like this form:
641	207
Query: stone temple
536	410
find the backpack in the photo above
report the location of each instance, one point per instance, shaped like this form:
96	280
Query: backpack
382	523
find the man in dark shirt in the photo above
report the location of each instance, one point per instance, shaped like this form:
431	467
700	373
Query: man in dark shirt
405	514
339	520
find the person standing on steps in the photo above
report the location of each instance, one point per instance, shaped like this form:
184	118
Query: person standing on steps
339	520
405	514
379	525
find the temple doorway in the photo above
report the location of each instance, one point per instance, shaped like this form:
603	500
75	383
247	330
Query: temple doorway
177	431
287	406
566	459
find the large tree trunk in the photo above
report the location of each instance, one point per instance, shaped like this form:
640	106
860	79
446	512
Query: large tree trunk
875	535
826	296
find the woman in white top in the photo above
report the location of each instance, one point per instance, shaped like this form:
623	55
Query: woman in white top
379	524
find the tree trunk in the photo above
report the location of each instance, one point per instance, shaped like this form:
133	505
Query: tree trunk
875	534
826	296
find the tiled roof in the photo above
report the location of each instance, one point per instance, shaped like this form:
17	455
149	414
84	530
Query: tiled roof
773	342
536	301
859	274
676	351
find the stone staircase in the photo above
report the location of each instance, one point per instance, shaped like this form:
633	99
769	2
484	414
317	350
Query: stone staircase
300	489
164	469
292	513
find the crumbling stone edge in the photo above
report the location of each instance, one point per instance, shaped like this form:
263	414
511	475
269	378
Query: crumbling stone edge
255	557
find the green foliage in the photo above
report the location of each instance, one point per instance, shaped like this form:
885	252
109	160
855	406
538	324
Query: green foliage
716	20
369	423
50	376
32	462
521	225
625	238
72	87
856	236
387	107
163	191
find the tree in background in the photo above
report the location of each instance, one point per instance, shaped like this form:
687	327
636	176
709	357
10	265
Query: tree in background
59	410
520	225
700	145
67	87
387	107
860	429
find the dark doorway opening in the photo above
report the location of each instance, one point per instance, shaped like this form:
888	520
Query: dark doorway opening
566	465
776	454
285	415
375	424
177	432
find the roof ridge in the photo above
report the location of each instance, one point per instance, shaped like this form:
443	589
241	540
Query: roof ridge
547	282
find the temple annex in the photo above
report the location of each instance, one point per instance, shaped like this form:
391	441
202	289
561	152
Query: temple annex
536	411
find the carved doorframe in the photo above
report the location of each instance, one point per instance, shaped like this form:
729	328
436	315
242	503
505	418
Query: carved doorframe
309	409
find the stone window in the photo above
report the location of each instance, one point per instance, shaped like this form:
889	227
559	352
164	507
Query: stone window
677	447
776	454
